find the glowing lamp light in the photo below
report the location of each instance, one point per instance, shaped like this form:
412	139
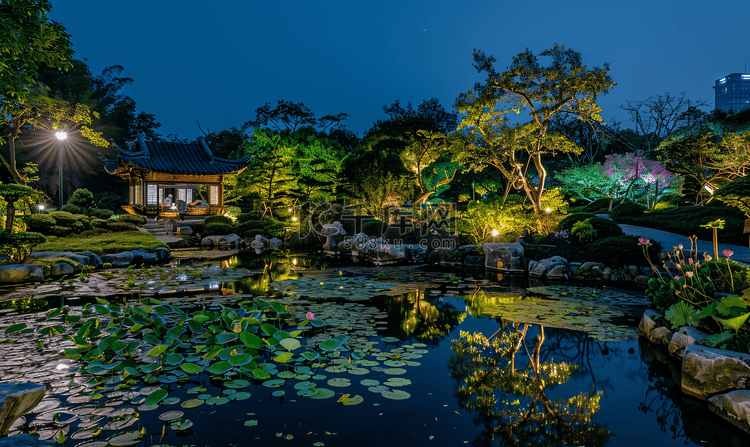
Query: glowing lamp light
709	189
294	261
41	207
61	135
290	210
294	218
548	210
495	232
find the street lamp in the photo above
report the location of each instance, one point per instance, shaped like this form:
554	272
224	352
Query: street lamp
61	136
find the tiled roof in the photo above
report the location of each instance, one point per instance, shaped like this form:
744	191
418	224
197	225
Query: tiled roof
176	158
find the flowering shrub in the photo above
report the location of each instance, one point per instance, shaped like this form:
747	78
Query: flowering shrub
686	295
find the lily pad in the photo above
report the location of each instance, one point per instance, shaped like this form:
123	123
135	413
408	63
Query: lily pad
156	397
395	394
192	403
171	415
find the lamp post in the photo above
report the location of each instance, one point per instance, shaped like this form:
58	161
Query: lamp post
61	136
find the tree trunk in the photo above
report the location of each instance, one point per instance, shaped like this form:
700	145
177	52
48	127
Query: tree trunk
10	215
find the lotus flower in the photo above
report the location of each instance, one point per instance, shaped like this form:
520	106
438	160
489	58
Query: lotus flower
644	241
310	316
728	253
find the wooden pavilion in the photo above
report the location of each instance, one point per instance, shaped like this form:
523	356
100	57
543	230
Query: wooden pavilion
168	179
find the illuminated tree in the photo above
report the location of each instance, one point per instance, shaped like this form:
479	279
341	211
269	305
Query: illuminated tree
565	86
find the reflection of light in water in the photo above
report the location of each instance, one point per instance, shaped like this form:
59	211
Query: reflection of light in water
150	282
213	286
228	263
182	277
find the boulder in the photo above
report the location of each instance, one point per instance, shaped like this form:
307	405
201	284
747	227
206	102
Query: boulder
592	265
386	254
648	322
360	244
682	338
633	271
162	253
17	399
230	240
210	241
416	253
177	243
733	406
93	258
78	260
444	256
558	272
660	336
119	259
474	261
258	244
542	269
641	280
707	371
508	258
61	269
275	242
140	256
18	273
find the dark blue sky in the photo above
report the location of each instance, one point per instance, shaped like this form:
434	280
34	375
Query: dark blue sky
217	61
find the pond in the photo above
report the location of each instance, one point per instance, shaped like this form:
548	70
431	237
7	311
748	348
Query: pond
418	358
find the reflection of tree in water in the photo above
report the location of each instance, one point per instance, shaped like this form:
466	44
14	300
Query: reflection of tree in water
511	400
260	284
25	305
422	319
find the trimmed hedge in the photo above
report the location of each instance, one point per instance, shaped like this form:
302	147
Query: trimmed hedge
132	218
627	209
72	209
41	223
219	219
101	213
218	228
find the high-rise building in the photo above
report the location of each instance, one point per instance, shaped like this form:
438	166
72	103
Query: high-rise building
732	93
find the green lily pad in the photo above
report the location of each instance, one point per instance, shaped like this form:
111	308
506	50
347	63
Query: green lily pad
339	382
192	403
395	394
156	397
220	367
171	415
323	393
274	383
240	395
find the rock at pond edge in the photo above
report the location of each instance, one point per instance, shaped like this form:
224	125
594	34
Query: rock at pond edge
733	407
707	371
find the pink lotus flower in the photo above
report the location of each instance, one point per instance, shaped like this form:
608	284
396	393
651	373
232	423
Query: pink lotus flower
728	253
708	258
644	241
677	277
310	316
690	261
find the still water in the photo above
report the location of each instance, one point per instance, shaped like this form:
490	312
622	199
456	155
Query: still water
451	383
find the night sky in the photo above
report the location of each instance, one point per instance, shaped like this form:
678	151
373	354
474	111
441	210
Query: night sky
217	61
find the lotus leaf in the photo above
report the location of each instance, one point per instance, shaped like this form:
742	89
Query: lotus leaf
283	358
220	367
225	337
290	344
192	403
330	345
175	332
395	394
240	395
346	400
156	351
240	359
171	415
261	373
323	393
156	397
339	382
125	439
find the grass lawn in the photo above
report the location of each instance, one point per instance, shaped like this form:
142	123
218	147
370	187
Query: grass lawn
102	244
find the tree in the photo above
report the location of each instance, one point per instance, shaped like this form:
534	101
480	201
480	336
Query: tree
657	117
564	87
29	40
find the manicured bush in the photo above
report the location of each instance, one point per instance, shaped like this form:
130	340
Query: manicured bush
101	213
94	232
105	243
584	231
219	219
72	209
251	233
621	250
119	227
571	219
198	228
132	218
627	209
218	228
41	223
66	219
81	198
18	246
61	231
598	206
98	223
605	227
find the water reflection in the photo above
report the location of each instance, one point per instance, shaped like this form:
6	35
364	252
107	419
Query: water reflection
509	395
422	319
260	284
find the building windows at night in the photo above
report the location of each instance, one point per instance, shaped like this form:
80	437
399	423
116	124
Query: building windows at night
732	93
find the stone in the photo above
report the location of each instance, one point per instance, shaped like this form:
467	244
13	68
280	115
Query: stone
162	253
707	371
573	266
592	265
140	256
678	343
18	273
641	280
119	259
661	336
210	241
258	244
474	261
230	240
542	268
648	322
24	440
444	256
17	399
416	253
61	269
93	258
507	258
558	272
386	254
696	334
78	260
468	248
275	242
633	271
360	245
734	407
178	243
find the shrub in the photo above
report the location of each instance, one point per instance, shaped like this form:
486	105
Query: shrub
18	246
251	233
95	232
572	219
627	209
99	223
72	209
100	213
40	223
732	278
219	219
132	218
605	227
61	231
119	227
82	198
66	219
598	206
584	231
198	228
218	228
620	250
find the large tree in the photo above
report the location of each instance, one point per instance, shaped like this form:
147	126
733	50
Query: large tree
563	87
